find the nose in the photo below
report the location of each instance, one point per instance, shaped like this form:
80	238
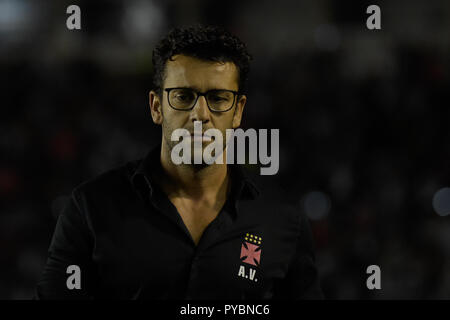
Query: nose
200	112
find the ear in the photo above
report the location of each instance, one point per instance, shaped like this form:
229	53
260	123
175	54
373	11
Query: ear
155	107
237	117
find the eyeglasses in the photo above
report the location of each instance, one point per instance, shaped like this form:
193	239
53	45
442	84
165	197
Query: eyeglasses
184	99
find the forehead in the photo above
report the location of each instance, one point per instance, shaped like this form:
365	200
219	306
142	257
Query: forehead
202	75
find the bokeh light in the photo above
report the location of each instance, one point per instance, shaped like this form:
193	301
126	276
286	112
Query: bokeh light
441	202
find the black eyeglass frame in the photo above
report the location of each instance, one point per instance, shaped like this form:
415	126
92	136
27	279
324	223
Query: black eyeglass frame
235	93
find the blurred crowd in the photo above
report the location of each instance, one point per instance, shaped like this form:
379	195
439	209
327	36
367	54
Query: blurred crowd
363	118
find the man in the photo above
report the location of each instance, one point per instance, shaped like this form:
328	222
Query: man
157	230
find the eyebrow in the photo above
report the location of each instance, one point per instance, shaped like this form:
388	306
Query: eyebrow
197	89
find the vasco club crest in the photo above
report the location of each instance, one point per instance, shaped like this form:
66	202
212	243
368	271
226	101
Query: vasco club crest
250	255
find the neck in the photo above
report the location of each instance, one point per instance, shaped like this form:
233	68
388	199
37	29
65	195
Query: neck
197	182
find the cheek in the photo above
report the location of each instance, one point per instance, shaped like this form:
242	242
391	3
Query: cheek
173	119
222	127
226	121
234	120
168	124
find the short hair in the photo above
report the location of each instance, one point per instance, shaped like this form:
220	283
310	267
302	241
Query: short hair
210	43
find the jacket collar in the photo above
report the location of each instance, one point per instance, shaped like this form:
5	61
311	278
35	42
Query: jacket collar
242	186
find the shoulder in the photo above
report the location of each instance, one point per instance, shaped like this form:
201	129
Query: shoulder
108	183
272	200
268	188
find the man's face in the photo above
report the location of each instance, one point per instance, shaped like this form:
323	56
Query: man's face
201	76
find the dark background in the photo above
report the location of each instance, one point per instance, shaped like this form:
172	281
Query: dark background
363	118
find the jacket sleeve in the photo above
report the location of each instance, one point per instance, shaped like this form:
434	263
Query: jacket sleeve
302	279
71	245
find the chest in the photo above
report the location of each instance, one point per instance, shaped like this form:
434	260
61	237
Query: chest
196	217
148	255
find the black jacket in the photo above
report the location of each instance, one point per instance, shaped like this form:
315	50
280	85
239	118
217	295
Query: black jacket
129	242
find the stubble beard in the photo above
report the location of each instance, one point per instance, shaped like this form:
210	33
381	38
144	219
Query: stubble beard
167	130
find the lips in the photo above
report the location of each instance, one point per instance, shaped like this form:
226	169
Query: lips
200	135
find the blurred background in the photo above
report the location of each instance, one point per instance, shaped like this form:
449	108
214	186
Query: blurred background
363	117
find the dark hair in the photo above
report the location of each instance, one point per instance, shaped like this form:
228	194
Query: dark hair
211	43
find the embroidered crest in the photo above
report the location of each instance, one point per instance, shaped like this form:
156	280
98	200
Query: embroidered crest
251	255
